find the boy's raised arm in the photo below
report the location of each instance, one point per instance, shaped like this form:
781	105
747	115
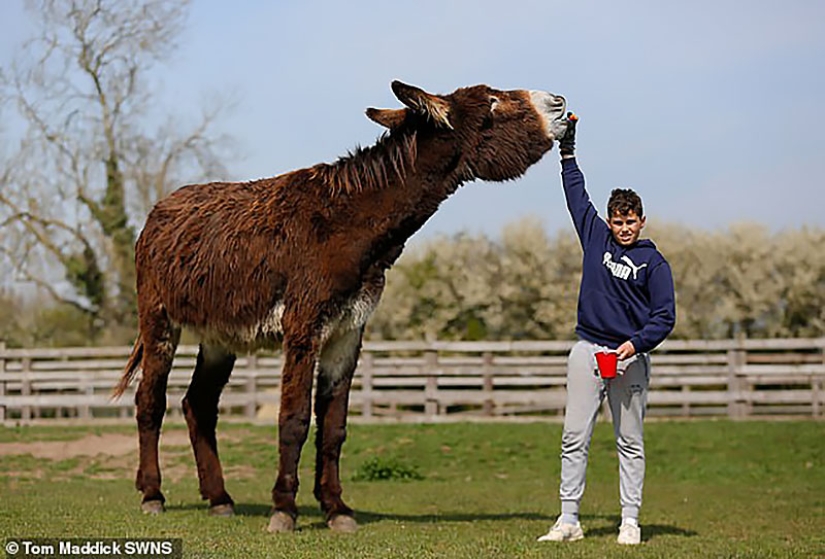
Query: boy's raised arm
582	211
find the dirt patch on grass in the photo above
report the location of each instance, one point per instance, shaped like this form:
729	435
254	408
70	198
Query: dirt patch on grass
112	456
91	445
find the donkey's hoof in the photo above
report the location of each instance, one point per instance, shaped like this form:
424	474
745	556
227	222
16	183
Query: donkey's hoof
281	522
224	510
342	524
152	507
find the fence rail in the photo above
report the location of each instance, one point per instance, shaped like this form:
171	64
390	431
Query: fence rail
438	381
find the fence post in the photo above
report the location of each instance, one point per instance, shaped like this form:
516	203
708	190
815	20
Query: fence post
431	388
737	408
817	382
365	367
251	407
686	396
26	389
85	388
487	379
2	379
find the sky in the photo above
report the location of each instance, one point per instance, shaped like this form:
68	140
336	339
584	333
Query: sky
712	110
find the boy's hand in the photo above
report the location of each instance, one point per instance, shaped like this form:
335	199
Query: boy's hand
567	143
626	350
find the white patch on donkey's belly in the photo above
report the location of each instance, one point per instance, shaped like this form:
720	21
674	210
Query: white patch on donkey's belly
268	332
353	316
359	310
264	334
272	325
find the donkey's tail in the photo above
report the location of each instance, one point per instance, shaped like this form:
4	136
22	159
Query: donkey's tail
131	368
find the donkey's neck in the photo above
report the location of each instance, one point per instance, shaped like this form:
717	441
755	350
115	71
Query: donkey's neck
424	195
393	187
394	213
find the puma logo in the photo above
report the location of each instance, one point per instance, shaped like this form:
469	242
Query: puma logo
626	259
619	270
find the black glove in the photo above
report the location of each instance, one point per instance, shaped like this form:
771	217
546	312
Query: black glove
567	143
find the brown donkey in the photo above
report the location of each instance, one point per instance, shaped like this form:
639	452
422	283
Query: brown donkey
298	260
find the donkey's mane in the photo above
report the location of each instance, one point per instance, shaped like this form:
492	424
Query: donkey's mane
371	168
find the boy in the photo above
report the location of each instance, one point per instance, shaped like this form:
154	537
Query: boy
626	304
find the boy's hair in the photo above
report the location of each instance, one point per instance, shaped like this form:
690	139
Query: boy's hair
624	200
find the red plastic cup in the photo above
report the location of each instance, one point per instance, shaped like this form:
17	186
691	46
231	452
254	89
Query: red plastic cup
607	361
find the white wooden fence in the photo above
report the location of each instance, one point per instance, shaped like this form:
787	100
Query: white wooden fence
438	381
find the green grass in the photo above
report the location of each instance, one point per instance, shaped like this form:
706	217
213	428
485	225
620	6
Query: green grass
713	489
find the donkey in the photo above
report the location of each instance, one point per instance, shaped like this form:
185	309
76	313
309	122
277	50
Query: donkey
298	261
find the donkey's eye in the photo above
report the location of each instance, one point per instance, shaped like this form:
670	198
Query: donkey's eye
494	101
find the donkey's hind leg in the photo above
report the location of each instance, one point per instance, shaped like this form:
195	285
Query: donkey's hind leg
160	339
336	368
200	406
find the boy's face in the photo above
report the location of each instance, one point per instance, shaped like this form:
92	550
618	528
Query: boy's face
626	228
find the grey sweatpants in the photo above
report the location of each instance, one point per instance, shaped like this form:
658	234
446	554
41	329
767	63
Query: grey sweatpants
627	397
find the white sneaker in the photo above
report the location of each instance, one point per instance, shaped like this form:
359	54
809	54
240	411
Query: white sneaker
563	532
629	534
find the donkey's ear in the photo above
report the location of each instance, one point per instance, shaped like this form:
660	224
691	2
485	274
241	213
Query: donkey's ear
432	106
388	118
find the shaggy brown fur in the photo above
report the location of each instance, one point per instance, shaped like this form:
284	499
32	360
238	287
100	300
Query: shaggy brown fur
299	260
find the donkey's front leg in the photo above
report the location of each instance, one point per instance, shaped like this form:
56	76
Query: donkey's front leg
293	426
336	368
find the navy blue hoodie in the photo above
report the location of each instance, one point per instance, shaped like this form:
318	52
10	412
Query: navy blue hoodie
626	293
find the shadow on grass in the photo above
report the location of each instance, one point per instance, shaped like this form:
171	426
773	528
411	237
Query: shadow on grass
366	517
240	509
309	513
649	531
312	517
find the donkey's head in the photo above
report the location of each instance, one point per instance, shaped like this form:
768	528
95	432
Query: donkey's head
481	132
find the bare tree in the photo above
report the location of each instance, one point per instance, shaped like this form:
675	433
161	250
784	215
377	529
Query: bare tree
88	165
